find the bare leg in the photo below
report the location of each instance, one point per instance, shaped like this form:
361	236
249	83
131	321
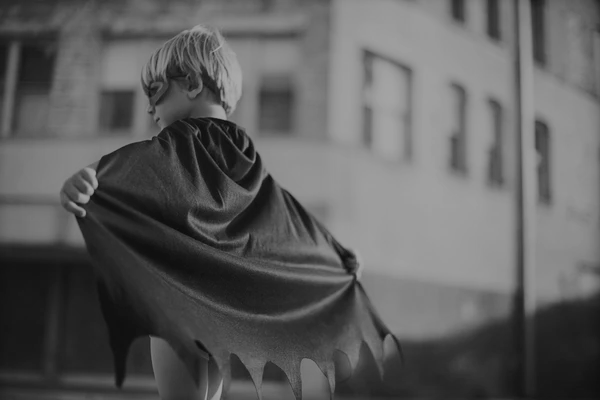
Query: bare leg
173	379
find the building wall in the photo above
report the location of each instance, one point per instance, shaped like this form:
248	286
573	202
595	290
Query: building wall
446	228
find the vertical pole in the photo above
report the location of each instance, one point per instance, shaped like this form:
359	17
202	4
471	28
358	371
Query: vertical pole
526	199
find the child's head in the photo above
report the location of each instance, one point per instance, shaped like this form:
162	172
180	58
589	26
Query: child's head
195	67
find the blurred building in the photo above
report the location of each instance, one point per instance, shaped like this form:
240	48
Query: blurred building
393	121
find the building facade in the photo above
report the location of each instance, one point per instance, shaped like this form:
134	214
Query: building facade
453	166
392	120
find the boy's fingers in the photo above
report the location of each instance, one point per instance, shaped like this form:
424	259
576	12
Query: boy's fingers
74	209
75	196
70	206
84	187
89	175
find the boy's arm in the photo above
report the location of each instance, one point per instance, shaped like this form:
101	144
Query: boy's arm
78	189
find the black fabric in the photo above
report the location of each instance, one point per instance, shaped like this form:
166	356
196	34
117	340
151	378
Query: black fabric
194	242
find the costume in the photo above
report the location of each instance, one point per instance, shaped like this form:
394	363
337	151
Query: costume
192	240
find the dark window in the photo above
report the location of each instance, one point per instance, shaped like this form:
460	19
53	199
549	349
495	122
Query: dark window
116	110
3	60
276	105
32	97
493	19
542	145
495	166
266	5
458	138
458	10
3	67
538	30
368	126
37	65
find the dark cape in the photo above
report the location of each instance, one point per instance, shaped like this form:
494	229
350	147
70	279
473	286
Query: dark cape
193	241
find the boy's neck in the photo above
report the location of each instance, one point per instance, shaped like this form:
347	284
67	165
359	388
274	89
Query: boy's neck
209	111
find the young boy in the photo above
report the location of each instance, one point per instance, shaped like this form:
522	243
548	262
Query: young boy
194	241
176	90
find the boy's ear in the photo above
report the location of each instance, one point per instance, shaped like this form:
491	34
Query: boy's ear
193	92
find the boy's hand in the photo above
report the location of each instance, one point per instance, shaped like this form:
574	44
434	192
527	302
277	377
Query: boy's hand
78	189
355	264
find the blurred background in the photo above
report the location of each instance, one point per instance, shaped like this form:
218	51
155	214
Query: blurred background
394	121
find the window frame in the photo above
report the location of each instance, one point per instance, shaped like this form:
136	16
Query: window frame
458	156
458	11
596	59
269	82
369	56
544	164
15	48
496	174
494	20
106	131
538	27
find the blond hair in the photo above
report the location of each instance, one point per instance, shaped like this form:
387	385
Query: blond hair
203	55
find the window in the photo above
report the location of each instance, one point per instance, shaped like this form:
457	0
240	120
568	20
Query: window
458	10
542	146
3	69
458	138
116	111
33	88
387	107
495	166
596	54
122	106
579	53
276	105
26	80
266	5
539	30
493	19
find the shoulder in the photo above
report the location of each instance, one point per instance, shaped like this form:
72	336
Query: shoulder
134	154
